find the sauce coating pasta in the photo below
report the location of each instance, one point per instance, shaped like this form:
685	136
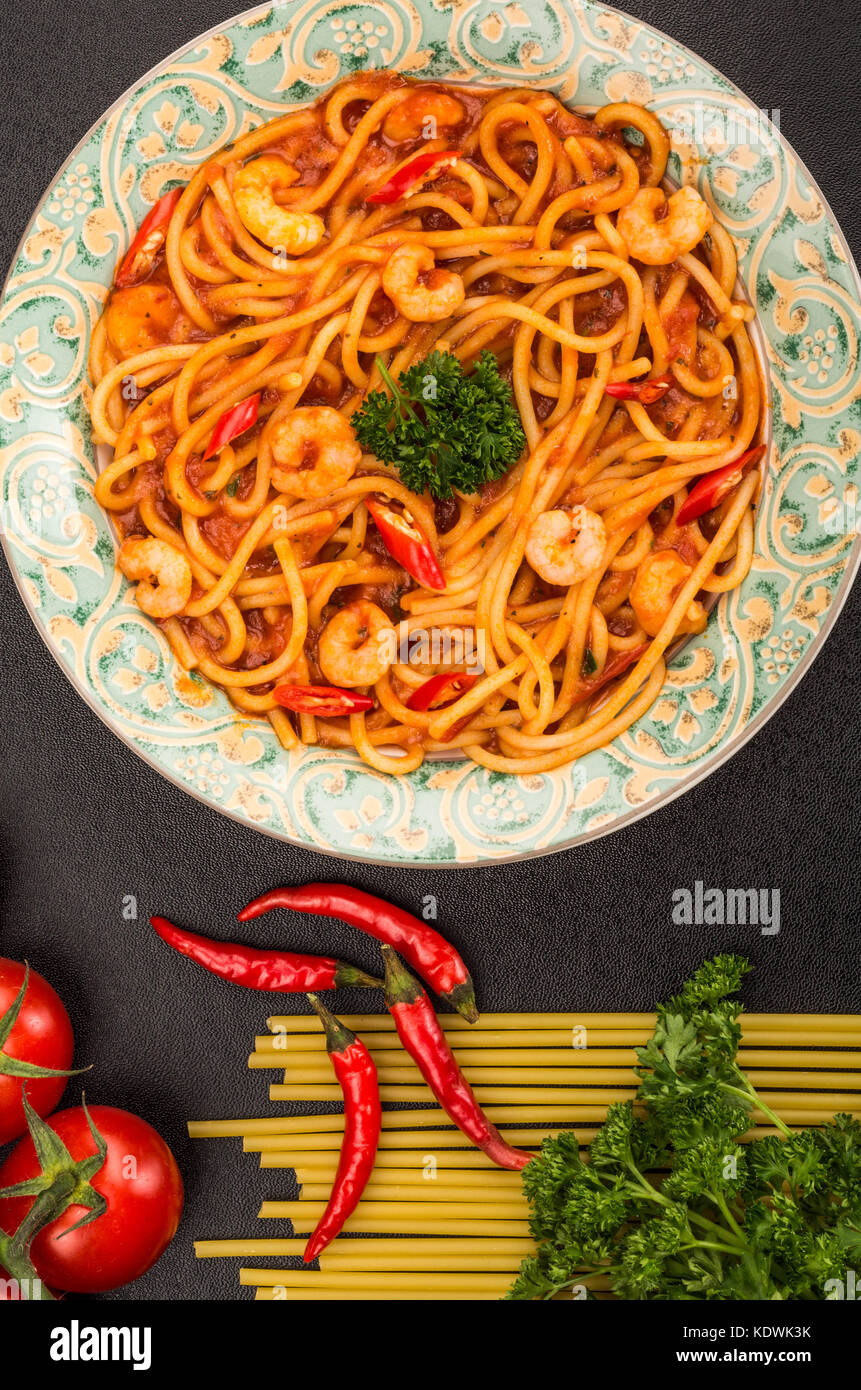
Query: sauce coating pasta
313	261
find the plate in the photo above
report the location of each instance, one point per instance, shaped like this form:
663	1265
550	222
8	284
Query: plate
721	687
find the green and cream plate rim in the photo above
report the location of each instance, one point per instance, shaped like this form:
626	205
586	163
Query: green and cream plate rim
721	687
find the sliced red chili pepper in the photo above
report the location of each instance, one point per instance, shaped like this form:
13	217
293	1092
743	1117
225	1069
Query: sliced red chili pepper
326	700
646	392
281	972
357	1077
429	953
407	543
614	667
235	421
411	174
712	488
419	1031
140	257
454	683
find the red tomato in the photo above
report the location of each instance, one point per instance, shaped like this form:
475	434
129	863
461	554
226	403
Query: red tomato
42	1035
143	1189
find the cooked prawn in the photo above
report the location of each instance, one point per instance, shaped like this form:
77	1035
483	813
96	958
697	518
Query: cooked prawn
419	289
566	545
656	585
162	572
658	241
314	451
358	646
254	189
142	317
422	116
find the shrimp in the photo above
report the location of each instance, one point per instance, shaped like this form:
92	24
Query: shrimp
143	317
658	242
422	116
358	646
163	574
420	290
254	190
314	451
566	545
656	584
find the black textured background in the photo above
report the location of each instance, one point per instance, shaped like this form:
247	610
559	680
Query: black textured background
85	822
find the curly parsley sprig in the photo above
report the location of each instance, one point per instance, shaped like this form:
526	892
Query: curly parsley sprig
668	1204
443	429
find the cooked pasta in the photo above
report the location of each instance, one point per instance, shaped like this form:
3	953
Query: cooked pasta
306	269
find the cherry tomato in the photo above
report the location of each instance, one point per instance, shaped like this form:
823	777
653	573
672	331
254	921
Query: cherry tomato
143	1189
42	1035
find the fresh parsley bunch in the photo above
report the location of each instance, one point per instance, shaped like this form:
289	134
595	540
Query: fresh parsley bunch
669	1205
442	429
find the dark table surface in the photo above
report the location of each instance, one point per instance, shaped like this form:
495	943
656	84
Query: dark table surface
85	823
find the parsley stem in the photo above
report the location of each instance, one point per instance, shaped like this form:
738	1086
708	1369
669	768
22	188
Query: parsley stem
402	400
719	1230
579	1278
721	1201
747	1092
711	1245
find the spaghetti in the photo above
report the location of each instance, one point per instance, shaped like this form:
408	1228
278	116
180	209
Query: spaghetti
319	258
436	1220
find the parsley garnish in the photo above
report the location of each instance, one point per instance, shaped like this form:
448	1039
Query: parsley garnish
441	428
771	1219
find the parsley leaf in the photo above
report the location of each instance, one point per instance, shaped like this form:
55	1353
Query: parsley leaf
668	1203
442	429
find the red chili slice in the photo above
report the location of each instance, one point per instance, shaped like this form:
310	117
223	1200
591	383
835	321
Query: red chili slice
233	422
614	667
407	543
712	488
140	257
412	174
326	700
646	392
457	683
427	696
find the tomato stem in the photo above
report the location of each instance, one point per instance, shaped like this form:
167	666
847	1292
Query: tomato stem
17	1264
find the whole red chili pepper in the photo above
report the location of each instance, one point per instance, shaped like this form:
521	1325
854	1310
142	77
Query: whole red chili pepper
357	1077
429	953
406	542
150	238
713	487
325	700
421	1035
410	175
282	972
614	667
646	392
233	422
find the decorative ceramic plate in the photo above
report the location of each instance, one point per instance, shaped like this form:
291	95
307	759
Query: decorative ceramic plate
721	687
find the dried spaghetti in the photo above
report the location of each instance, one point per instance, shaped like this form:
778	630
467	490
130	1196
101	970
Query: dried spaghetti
328	250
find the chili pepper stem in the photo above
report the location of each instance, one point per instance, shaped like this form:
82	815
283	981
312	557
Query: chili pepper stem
400	986
403	988
351	975
463	999
338	1036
